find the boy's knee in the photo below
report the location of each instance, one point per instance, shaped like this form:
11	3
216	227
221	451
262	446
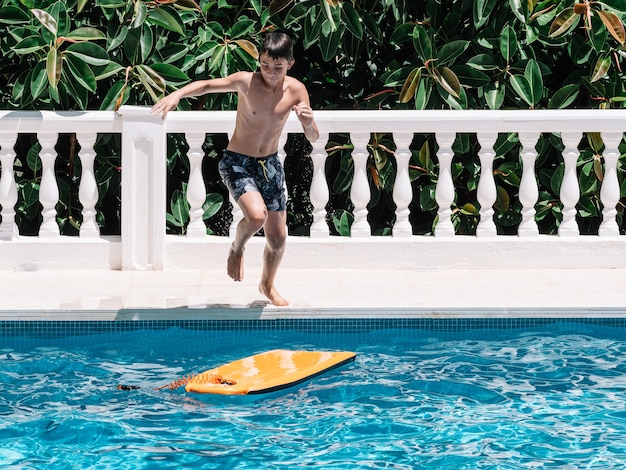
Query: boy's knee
276	241
257	218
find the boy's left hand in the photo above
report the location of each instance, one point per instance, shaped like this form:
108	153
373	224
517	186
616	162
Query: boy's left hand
304	113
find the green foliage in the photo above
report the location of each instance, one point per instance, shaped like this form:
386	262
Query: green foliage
371	54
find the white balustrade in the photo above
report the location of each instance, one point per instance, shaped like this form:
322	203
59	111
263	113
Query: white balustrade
48	188
196	189
8	190
528	190
319	187
88	187
570	190
486	185
444	192
143	243
610	192
360	194
402	191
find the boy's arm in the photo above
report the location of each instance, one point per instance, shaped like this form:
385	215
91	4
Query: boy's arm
232	83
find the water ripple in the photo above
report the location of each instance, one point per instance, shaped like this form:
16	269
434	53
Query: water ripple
532	401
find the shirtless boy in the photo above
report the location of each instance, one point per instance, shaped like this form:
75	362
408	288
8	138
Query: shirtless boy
250	167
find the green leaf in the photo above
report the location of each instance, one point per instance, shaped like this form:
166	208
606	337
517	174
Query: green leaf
54	67
600	68
151	78
243	27
422	96
38	80
80	72
533	76
482	10
13	15
327	12
471	77
483	62
216	57
448	80
410	85
90	53
166	18
564	97
46	20
451	51
212	205
508	43
494	95
351	19
170	73
86	33
140	13
422	43
109	70
617	5
111	3
109	101
402	33
563	23
522	88
329	43
29	45
520	9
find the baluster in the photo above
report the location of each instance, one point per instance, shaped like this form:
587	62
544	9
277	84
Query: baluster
236	212
196	189
528	190
444	192
8	189
319	187
88	187
282	141
486	185
48	188
610	192
402	190
360	191
570	190
282	156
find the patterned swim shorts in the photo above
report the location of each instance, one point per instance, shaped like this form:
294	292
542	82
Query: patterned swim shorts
242	174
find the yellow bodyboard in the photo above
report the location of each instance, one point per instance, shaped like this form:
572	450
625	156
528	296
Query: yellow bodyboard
267	372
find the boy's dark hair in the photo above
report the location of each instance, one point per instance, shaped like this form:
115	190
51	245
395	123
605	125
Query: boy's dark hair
278	45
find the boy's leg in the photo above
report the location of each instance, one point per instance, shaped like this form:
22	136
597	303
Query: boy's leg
254	217
275	229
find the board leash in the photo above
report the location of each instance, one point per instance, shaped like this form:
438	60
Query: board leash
202	378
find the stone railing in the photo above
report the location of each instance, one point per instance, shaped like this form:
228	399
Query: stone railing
143	243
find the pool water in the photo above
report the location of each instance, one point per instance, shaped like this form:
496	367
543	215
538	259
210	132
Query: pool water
542	397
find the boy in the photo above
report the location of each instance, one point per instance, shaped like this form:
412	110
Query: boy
250	166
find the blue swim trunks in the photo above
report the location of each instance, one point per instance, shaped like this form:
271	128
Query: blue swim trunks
265	175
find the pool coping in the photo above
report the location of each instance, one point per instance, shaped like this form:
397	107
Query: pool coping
210	294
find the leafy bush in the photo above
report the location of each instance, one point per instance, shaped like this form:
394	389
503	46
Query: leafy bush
372	54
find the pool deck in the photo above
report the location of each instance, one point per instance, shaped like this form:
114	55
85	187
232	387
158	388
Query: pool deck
211	294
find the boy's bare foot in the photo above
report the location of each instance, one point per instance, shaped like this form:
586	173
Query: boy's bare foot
235	265
272	294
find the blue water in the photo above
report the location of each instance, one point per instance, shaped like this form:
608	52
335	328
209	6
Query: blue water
496	399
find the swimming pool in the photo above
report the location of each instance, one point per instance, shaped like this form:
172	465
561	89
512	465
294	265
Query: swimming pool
458	394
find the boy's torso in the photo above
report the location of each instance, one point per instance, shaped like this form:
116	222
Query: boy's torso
261	116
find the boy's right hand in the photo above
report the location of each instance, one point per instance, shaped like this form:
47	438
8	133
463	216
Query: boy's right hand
165	105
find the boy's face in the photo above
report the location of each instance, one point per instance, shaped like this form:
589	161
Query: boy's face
274	71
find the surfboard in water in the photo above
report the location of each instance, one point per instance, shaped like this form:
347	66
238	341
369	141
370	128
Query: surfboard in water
267	372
